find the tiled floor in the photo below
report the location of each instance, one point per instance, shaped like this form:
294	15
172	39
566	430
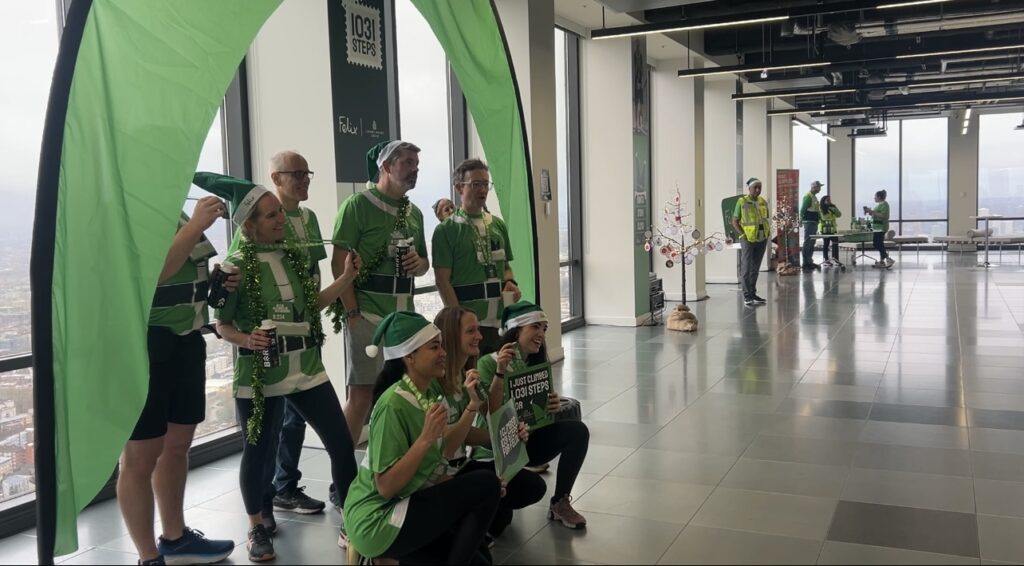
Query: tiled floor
859	417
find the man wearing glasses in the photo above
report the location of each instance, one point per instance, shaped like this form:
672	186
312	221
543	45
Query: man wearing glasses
471	253
386	230
290	174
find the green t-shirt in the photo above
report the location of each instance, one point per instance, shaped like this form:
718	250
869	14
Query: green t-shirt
877	224
170	310
458	245
365	223
285	302
487	366
301	226
372	522
810	208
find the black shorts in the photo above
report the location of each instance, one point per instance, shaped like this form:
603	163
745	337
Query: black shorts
177	383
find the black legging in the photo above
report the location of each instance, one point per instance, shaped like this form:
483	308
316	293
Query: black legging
834	242
525	489
321	409
445	523
570	439
879	241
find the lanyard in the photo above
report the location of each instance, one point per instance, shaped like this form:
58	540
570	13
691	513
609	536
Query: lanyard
421	399
482	242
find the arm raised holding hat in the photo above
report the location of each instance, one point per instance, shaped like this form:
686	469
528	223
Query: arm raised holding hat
207	211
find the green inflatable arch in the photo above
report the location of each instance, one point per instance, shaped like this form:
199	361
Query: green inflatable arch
135	89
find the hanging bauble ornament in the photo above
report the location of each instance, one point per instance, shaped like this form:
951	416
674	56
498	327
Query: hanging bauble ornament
675	198
695	234
673	230
688	260
647	246
648	234
666	251
669	264
719	246
711	247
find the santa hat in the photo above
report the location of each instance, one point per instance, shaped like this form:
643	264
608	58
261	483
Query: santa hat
401	333
523	313
377	155
242	195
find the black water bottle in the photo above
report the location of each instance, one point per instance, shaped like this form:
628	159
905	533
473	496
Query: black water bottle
218	296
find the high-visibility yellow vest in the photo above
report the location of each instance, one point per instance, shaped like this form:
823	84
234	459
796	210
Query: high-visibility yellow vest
827	223
754	218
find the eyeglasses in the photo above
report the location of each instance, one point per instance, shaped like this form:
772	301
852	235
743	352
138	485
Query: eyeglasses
297	175
479	184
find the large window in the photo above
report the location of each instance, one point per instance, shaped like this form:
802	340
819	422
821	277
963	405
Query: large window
911	164
1001	171
423	109
810	157
28	28
220	406
567	118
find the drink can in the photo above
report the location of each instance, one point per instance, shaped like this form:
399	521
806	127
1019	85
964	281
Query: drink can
218	296
270	357
400	251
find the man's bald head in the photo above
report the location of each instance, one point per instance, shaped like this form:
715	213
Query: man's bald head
290	174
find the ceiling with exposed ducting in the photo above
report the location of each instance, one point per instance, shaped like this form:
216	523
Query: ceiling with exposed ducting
839	61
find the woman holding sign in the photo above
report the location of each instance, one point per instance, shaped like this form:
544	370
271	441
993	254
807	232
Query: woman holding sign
517	371
461	335
404	503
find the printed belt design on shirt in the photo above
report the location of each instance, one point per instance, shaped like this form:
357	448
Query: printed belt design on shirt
181	294
286	344
477	291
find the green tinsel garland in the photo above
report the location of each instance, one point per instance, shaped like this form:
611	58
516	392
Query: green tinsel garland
337	309
255	310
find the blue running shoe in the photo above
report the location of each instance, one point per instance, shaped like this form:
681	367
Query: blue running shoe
194	548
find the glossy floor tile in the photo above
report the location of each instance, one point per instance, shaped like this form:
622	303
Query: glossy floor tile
862	417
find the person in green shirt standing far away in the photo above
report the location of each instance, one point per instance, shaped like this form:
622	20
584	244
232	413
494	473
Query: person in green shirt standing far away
386	230
155	458
404	504
880	225
472	255
810	214
277	297
751	221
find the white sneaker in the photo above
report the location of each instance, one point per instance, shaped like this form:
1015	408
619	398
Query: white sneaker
889	262
878	264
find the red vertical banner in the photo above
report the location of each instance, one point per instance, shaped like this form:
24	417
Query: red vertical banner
787	222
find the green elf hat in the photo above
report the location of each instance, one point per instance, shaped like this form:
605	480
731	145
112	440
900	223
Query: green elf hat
242	194
523	313
377	155
401	333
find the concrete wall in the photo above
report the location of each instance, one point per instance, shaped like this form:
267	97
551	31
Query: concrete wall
720	165
607	149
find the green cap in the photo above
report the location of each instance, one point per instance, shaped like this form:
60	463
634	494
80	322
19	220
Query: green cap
401	333
240	193
522	313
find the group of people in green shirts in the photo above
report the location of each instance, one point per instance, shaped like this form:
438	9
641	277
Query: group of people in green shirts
426	490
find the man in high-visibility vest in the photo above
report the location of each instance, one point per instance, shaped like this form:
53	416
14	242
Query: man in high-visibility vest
810	214
751	221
